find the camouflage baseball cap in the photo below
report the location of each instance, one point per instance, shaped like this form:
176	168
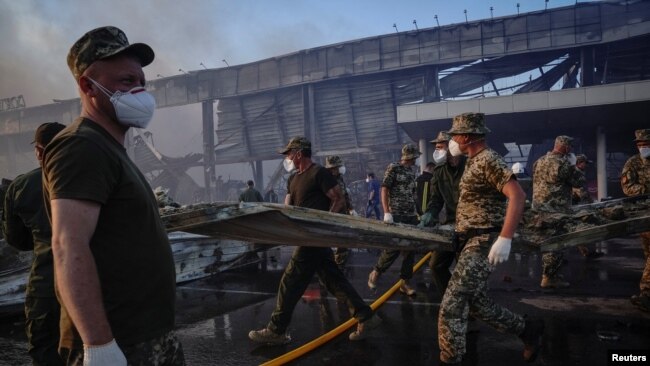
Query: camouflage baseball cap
443	136
563	140
410	152
473	123
102	43
642	135
582	157
296	143
333	162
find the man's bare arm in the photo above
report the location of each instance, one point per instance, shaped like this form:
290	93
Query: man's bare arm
516	201
73	224
336	199
385	196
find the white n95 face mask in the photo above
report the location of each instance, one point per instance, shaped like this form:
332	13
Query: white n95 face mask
644	152
133	108
454	148
342	170
440	156
572	158
288	164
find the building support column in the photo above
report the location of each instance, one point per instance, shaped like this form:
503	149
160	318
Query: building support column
601	166
424	158
209	175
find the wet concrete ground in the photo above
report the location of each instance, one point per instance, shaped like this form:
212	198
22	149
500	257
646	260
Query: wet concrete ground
214	315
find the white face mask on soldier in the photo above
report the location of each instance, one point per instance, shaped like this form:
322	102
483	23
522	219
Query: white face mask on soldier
342	170
644	151
440	156
288	164
454	148
133	108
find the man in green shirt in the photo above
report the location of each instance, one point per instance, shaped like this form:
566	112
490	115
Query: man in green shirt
250	194
26	227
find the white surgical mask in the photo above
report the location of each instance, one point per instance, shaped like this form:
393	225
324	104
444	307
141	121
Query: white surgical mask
440	156
644	152
342	170
454	148
572	158
367	180
133	108
288	164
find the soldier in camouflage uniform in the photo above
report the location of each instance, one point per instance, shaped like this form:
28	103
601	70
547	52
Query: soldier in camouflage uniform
554	176
398	202
444	193
335	165
485	224
635	180
581	196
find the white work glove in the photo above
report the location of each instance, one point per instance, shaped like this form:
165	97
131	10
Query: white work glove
108	354
353	213
388	218
500	251
572	159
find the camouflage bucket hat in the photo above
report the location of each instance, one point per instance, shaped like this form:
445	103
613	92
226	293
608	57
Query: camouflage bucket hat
582	157
443	136
333	162
473	123
563	140
410	152
296	143
101	43
642	135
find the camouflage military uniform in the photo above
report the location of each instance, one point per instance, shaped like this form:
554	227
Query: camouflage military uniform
481	206
635	180
553	179
445	191
400	181
341	254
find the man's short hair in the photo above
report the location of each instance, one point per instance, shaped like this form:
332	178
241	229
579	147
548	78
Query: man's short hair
46	132
371	175
250	183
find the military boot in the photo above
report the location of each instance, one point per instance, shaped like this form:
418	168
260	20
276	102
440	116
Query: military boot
641	301
553	282
406	289
364	327
532	338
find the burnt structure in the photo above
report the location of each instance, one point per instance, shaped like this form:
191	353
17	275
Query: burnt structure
346	97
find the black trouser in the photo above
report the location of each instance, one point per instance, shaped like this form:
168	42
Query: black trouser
42	327
439	263
304	263
389	256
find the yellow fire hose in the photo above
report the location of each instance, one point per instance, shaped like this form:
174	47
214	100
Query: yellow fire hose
307	347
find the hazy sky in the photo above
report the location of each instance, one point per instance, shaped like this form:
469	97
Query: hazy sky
38	34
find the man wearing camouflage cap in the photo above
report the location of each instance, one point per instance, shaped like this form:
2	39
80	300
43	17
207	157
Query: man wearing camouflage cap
490	206
311	186
444	193
114	269
635	180
554	177
335	165
581	196
398	202
26	227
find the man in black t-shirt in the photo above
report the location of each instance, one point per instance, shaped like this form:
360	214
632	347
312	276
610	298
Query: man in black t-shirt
113	266
311	186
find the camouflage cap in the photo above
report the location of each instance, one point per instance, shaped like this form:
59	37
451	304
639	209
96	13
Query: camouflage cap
563	140
296	143
333	162
443	136
101	43
642	135
46	132
473	123
410	152
582	157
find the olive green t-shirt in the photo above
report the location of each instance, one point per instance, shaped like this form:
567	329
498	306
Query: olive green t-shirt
309	188
130	245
